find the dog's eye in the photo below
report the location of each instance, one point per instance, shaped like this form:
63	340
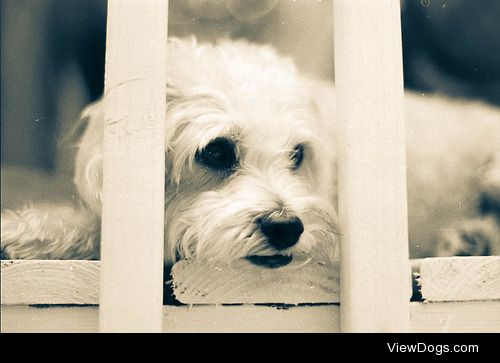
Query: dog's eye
297	156
219	154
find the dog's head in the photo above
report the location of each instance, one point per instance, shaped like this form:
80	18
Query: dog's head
249	163
248	171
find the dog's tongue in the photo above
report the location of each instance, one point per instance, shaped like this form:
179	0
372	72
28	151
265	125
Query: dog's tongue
274	261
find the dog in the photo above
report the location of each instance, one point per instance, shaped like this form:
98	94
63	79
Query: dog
245	173
251	168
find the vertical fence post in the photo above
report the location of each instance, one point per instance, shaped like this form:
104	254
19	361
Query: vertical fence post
134	167
372	168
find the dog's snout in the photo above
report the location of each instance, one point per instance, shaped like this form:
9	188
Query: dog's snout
281	233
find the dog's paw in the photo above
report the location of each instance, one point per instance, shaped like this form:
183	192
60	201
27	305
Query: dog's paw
489	185
23	235
475	237
49	232
14	244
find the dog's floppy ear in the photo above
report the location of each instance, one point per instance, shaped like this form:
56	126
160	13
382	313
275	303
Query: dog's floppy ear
88	163
69	230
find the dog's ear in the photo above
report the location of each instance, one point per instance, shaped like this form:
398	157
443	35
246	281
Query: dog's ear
88	164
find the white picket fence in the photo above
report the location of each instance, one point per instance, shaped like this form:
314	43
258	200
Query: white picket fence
375	268
369	78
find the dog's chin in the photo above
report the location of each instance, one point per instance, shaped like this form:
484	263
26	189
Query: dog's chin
274	261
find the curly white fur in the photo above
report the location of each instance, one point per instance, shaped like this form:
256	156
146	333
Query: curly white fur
257	99
247	94
50	232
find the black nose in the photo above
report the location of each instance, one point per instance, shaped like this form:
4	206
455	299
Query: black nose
281	233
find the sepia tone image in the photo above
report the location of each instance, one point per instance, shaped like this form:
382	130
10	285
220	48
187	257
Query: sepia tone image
250	166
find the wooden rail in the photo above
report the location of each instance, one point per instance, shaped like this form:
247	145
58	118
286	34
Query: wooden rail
27	282
134	166
375	281
472	305
372	168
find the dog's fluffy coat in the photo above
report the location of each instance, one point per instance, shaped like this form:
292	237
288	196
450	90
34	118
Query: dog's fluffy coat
246	94
256	99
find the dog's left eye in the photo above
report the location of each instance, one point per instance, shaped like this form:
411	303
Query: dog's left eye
219	154
297	156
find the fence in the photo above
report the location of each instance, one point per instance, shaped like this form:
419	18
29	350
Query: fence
375	268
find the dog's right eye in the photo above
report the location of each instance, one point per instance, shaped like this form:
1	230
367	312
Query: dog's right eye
219	155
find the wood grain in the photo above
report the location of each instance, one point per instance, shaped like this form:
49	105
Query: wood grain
372	171
245	283
27	282
460	278
134	166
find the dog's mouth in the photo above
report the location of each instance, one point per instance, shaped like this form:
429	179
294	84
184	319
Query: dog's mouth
274	261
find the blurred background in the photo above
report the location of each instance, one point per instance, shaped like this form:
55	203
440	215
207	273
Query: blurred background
52	64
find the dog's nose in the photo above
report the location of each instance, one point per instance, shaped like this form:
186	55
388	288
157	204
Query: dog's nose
281	233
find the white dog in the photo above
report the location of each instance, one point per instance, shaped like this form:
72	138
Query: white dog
250	168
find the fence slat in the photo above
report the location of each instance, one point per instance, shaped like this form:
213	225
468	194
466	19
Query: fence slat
134	162
372	173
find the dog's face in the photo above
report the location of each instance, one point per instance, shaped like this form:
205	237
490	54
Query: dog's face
248	173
